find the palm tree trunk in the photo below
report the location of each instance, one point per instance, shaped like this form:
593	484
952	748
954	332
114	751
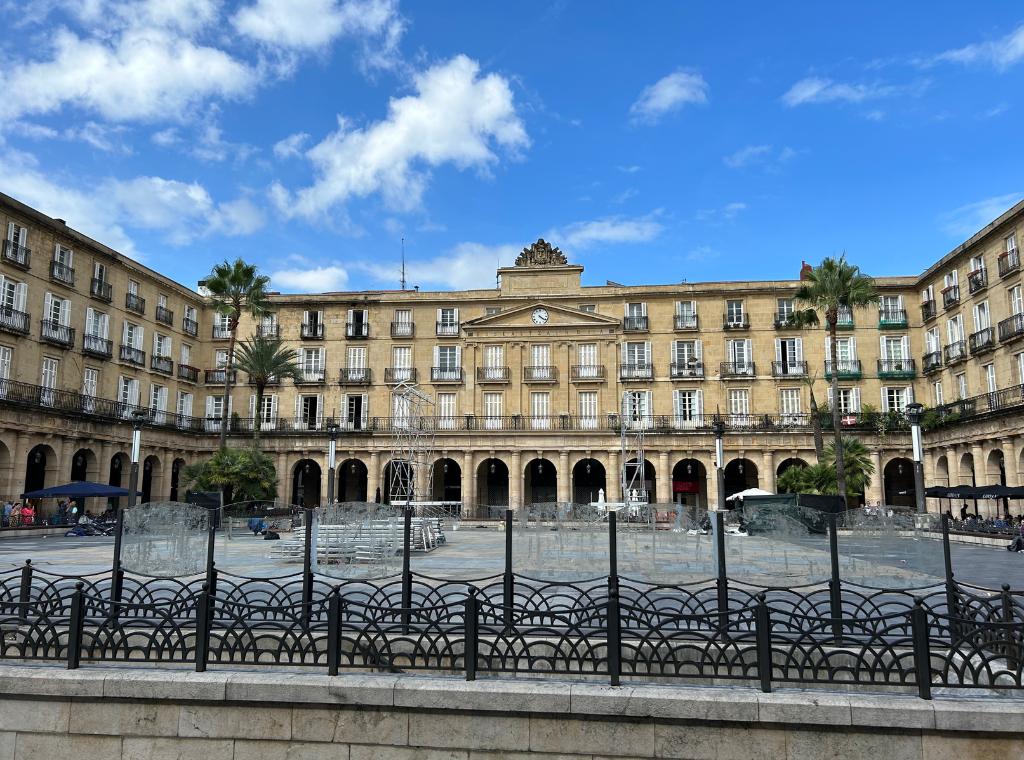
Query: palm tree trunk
819	443
257	422
837	429
227	385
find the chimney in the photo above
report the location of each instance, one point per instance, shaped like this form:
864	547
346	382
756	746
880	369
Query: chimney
805	270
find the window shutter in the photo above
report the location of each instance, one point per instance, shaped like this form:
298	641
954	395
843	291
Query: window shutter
319	410
439	316
698	350
748	350
298	409
778	349
828	349
10	231
366	409
884	395
853	349
21	295
643	309
252	406
855	399
47	305
351	316
138	337
700	403
905	347
456	311
458	356
798	349
881	347
437	357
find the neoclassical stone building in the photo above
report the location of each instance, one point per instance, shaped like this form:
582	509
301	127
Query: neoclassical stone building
530	383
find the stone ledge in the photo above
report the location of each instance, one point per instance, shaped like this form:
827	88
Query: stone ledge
517	697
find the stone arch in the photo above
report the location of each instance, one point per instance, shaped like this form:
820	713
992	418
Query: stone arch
740	474
785	464
995	468
84	465
690	484
353	481
41	468
966	471
6	470
447	477
898	483
151	479
306	479
177	468
942	471
492	478
540	481
589	478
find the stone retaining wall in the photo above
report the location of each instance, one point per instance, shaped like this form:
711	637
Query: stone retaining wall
146	714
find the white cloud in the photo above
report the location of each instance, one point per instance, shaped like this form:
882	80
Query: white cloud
748	155
613	229
291	145
467	266
726	213
166	138
310	279
964	221
1001	54
702	253
821	90
455	117
630	169
668	94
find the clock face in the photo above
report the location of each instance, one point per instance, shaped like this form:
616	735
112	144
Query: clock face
540	316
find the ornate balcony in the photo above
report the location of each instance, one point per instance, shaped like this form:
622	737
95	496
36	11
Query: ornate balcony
889	319
18	255
190	326
736	322
135	302
165	315
587	373
446	374
14	321
312	330
493	374
955	352
188	374
635	324
355	376
403	329
686	322
162	364
56	334
1011	328
447	329
981	342
133	355
789	369
688	370
931	362
101	290
896	368
357	330
977	280
928	311
636	371
1009	262
268	331
845	369
785	321
544	373
950	296
94	345
62	273
737	369
217	376
400	375
311	377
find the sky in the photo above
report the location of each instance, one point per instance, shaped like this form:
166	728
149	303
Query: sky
652	142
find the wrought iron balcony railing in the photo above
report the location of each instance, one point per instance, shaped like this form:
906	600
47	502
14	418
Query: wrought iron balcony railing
135	302
357	330
977	280
687	370
312	330
1009	262
493	374
62	273
446	374
132	355
736	321
889	318
587	373
400	375
544	373
188	374
190	326
101	290
955	352
784	320
403	329
95	345
982	341
311	377
928	311
220	332
950	296
686	322
737	369
53	332
447	329
896	368
18	255
165	315
789	369
931	362
355	376
163	364
1011	328
217	376
268	331
635	324
14	321
643	371
845	369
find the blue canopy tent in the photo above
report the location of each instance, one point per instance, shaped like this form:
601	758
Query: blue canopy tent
79	489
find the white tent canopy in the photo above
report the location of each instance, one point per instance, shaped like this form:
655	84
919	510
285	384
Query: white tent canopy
749	492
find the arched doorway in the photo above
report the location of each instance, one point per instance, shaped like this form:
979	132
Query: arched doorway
83	463
447	485
150	478
690	485
540	480
492	483
118	476
5	469
306	483
965	476
352	481
898	483
41	459
786	464
176	469
588	480
645	484
740	474
941	471
995	472
400	479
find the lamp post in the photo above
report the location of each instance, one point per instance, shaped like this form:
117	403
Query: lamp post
914	413
138	417
332	450
719	428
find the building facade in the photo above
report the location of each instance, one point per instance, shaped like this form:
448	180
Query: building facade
535	387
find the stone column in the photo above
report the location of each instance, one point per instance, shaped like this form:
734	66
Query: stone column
284	485
1010	462
515	481
768	468
168	474
373	477
980	478
468	465
664	482
876	490
564	490
613	477
953	465
20	464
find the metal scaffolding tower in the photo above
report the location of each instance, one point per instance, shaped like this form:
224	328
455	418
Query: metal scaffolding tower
412	447
634	420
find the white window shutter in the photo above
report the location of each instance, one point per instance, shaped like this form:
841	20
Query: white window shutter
439	316
798	349
298	409
778	349
884	394
643	309
351	316
252	406
828	349
698	350
748	346
456	316
366	410
855	396
853	348
458	356
700	403
21	295
47	305
437	357
905	345
319	410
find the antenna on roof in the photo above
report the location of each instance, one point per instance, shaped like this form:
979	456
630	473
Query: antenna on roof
403	262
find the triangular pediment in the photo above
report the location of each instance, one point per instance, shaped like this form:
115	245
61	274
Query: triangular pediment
531	316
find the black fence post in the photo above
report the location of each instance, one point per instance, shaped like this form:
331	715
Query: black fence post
613	545
1012	651
406	572
25	591
333	633
116	571
614	630
952	608
922	649
722	579
76	626
509	590
307	569
203	628
763	635
470	646
835	589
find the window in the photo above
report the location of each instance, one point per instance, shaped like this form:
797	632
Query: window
982	319
490	311
961	385
586	357
214	412
931	341
401	363
309	411
268	326
686	353
789	354
928	294
221	325
186	354
937	393
99	271
894	349
97	324
989	370
403	316
447	363
890	309
589	308
17	235
448	321
493	411
14	294
358	324
357	411
686	314
127	395
133	287
494	363
636	408
587	405
132	335
447	410
789	405
844	316
1020	367
1010	243
161	301
785	309
57	310
158	402
688	407
950	280
849	400
540	410
267	413
184	406
48	380
90	388
955	329
161	345
355	357
895	399
220	358
977	264
62	256
739	405
311	360
636	357
636	310
1016	300
846	350
5	368
734	313
540	360
739	354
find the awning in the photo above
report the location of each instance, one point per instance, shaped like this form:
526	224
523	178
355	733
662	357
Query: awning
79	489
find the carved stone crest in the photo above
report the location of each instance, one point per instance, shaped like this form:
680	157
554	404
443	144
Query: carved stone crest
541	254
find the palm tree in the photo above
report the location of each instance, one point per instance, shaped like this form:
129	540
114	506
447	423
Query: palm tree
821	478
235	288
856	460
266	360
831	286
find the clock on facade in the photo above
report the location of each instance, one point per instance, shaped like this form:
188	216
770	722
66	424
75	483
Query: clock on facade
540	316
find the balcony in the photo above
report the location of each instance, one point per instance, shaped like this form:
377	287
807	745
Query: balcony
789	369
311	377
354	376
493	374
62	273
135	302
688	370
56	334
845	369
101	290
446	374
220	332
950	296
955	353
736	322
977	280
312	331
636	371
268	331
1009	262
889	319
931	362
217	376
784	321
981	342
1011	328
403	329
18	255
928	311
357	330
190	326
896	368
587	373
635	324
447	329
400	375
686	322
543	373
737	369
14	321
132	355
165	315
188	374
844	319
94	345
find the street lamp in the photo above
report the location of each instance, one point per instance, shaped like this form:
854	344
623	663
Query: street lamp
719	429
332	449
138	418
914	413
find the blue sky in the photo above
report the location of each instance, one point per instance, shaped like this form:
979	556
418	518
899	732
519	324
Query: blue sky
652	142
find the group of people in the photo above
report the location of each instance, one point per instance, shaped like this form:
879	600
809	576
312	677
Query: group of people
18	514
